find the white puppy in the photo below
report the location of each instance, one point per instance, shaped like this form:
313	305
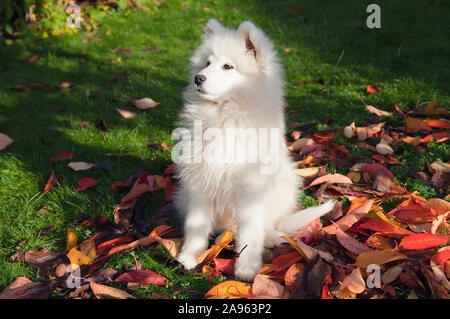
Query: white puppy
237	84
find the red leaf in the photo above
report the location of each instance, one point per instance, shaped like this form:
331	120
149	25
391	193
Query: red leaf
143	277
283	262
441	257
381	226
51	182
348	220
85	183
224	265
350	243
108	245
414	214
439	137
62	156
422	241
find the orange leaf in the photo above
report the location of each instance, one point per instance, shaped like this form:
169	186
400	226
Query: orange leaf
422	241
441	123
372	89
229	289
348	220
51	182
208	255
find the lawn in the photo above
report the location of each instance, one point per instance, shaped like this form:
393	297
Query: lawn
408	59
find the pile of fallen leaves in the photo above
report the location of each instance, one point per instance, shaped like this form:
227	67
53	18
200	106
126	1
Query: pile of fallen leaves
359	250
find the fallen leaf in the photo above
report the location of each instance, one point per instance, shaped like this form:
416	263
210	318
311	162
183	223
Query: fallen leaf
350	243
85	183
422	241
433	109
51	182
377	111
71	240
5	141
229	289
378	257
62	156
331	178
144	103
106	292
352	284
350	218
82	254
372	89
23	288
143	277
208	255
80	166
265	287
126	114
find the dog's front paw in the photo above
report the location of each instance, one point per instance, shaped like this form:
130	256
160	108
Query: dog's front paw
247	271
188	260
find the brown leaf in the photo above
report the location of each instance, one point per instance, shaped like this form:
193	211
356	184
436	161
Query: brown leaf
294	277
23	288
265	287
5	141
378	257
126	114
106	292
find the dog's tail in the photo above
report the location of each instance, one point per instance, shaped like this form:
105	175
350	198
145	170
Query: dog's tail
292	223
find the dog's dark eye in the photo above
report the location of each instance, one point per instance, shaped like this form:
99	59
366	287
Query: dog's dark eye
208	63
227	67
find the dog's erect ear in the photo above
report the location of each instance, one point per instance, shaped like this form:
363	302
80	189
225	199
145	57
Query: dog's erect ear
211	27
251	35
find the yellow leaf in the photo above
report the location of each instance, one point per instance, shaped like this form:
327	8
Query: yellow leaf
308	172
82	254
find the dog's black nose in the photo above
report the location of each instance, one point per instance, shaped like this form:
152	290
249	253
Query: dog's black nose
199	79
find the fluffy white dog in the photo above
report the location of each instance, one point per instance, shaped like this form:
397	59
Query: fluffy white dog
237	85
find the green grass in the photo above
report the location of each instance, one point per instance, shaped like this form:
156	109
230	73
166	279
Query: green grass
406	58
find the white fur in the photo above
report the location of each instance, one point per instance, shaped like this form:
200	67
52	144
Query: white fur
216	197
